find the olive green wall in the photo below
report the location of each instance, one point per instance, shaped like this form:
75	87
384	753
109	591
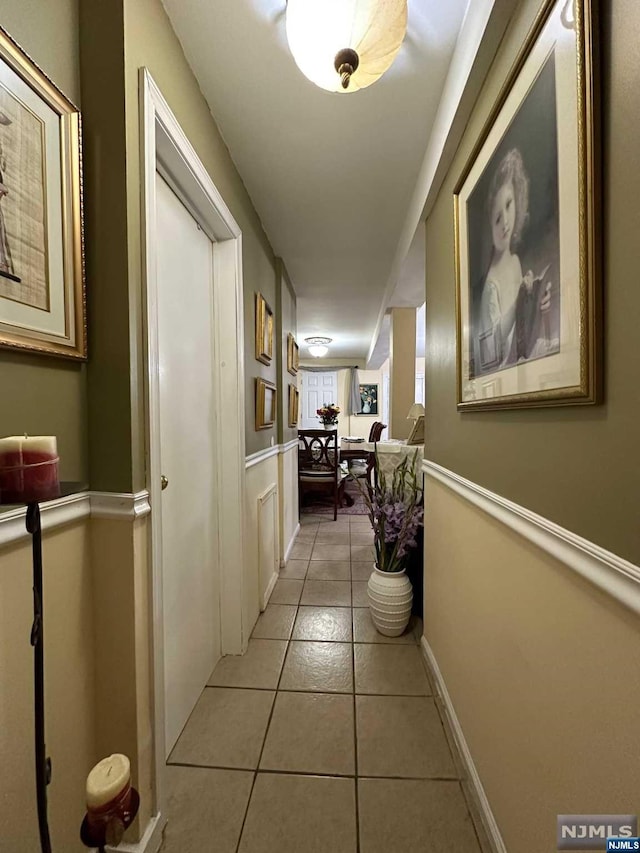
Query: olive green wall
579	467
43	395
286	322
150	42
102	66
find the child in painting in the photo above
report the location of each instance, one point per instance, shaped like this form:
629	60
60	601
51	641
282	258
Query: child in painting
498	343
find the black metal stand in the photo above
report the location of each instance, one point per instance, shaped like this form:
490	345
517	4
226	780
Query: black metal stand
43	764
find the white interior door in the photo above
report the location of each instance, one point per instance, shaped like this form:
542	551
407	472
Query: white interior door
317	389
190	574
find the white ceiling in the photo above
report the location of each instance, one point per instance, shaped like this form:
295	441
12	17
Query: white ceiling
331	176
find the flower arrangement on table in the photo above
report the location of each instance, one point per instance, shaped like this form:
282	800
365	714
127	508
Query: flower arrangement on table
328	414
395	511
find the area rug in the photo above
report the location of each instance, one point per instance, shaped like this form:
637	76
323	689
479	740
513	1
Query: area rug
317	507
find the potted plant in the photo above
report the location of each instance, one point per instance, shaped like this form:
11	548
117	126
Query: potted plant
395	510
328	415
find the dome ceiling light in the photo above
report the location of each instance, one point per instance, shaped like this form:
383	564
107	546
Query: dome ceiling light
318	346
345	45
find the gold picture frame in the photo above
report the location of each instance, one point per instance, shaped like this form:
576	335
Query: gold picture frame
42	285
528	290
266	402
293	357
294	405
264	330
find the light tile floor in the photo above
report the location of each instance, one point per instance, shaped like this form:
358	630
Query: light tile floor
324	735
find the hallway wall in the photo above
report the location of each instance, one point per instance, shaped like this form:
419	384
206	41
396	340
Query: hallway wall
151	42
532	654
70	674
580	461
40	394
45	395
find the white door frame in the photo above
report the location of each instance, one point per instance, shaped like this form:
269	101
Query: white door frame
165	148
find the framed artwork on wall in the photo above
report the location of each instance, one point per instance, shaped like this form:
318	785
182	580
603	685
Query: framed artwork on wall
526	235
294	405
293	360
266	401
42	288
264	330
368	399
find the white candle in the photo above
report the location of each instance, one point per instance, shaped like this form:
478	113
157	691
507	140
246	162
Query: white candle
42	444
11	451
107	779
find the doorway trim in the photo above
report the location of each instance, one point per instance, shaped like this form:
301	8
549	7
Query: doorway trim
165	148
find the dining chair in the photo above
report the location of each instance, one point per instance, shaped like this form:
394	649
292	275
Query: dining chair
319	468
360	468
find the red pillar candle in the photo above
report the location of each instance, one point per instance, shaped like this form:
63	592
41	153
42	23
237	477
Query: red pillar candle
28	469
112	803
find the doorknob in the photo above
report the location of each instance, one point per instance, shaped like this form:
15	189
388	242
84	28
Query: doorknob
164	482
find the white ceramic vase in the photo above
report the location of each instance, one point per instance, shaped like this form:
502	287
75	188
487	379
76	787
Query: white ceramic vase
390	600
330	426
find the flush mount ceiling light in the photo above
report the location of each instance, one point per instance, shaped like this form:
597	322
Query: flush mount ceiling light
345	45
318	346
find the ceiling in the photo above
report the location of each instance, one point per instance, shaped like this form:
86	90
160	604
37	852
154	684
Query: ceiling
331	176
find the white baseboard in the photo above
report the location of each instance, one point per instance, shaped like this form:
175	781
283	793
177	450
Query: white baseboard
269	590
283	562
150	841
486	815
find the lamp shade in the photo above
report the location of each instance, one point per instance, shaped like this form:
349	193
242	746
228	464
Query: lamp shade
318	351
416	411
318	345
345	45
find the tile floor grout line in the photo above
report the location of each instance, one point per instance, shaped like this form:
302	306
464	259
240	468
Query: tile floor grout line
266	732
279	772
355	733
246	811
325	690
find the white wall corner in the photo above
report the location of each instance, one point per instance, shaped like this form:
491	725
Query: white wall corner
269	590
292	542
120	505
150	842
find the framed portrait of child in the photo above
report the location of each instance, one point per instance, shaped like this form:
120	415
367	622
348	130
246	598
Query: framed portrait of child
527	257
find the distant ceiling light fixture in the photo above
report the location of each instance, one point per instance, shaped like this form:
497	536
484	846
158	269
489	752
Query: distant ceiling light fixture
345	45
318	346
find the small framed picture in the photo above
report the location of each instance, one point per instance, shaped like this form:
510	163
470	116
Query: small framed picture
42	290
266	396
294	405
264	330
529	320
368	400
293	360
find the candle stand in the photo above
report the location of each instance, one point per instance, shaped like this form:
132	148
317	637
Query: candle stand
28	475
43	764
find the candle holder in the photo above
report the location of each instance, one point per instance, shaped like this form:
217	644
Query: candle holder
29	474
43	764
106	824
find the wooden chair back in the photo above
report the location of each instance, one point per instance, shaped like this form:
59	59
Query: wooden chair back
318	450
377	428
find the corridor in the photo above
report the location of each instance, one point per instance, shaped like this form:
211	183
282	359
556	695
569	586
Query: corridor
325	735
